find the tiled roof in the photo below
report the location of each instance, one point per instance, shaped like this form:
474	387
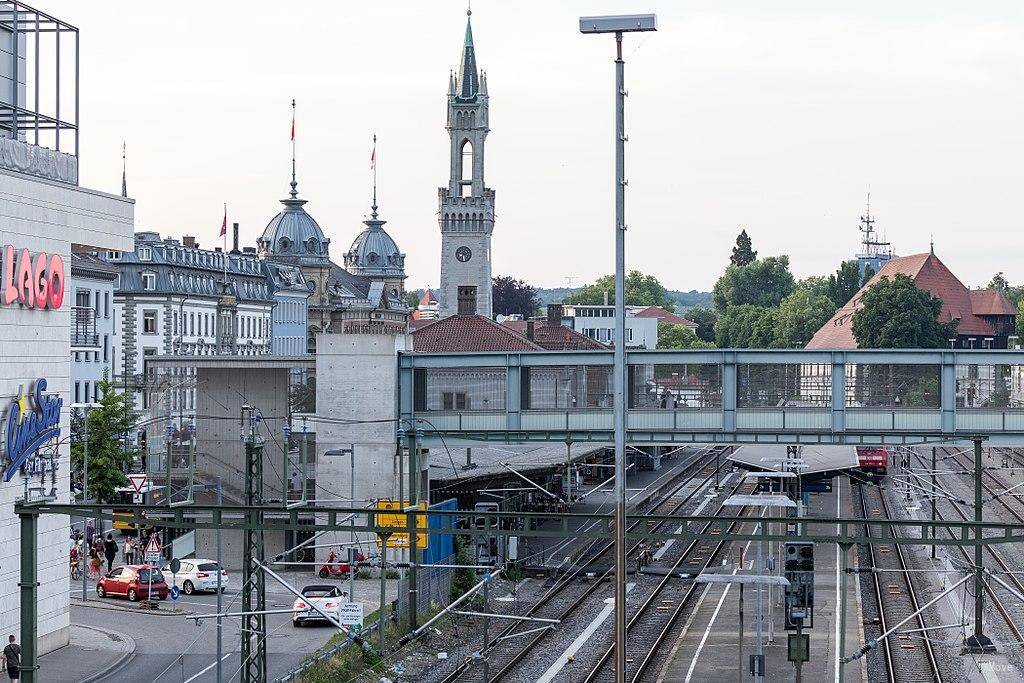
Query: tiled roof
556	337
991	302
428	298
664	316
468	333
929	274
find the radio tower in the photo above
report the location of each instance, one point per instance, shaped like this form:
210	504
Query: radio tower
875	251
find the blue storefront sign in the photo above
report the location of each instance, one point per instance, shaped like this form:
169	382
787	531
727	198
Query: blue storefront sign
31	423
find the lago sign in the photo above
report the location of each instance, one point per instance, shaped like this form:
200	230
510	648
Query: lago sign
32	280
30	423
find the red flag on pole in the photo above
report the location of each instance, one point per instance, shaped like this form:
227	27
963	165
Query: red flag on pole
373	157
224	223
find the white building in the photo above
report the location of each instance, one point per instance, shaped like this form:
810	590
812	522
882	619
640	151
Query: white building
92	325
46	216
598	323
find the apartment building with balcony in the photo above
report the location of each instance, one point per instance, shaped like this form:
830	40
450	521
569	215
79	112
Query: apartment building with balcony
92	325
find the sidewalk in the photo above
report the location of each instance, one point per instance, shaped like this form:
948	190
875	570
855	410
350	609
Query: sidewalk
92	656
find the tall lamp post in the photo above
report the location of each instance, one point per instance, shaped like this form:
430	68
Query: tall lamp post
85	408
627	23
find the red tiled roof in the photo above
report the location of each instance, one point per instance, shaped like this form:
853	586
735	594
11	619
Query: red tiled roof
664	316
991	302
556	337
416	322
427	298
929	274
468	333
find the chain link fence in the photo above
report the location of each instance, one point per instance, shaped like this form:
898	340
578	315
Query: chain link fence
434	589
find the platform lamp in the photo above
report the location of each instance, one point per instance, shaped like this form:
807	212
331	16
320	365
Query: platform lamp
85	408
619	24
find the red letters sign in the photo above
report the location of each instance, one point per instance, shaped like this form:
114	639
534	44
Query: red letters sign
33	281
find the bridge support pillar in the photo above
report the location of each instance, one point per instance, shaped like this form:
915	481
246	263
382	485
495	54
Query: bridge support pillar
978	643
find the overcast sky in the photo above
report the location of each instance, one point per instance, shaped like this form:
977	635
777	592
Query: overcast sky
779	117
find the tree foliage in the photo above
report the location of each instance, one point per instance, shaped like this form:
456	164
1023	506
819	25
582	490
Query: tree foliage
705	319
641	290
412	298
109	457
897	315
745	326
742	253
762	283
513	297
680	337
800	315
844	283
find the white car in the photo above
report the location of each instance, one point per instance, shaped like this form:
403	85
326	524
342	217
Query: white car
196	575
325	596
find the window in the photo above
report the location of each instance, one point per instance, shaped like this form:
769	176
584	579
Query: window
453	400
106	304
145	254
117	281
78	389
95	393
149	322
82	298
106	348
149	281
113	256
86	391
149	351
174	323
192	323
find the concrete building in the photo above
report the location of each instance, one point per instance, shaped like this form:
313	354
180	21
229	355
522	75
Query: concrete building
92	325
47	216
466	205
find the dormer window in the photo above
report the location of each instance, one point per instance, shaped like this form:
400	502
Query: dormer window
145	254
311	245
113	256
284	244
372	257
148	281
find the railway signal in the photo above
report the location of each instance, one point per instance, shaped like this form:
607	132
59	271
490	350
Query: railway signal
799	570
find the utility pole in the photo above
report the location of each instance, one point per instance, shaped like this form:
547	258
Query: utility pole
414	501
978	643
254	652
934	489
220	597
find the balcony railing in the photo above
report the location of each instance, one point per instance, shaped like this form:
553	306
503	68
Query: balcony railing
83	328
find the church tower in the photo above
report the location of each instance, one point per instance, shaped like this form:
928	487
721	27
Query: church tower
466	214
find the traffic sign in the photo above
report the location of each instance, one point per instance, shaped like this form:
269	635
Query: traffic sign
153	551
351	614
175	592
138	481
398	521
175	565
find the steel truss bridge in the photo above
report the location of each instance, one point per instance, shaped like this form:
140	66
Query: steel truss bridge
720	396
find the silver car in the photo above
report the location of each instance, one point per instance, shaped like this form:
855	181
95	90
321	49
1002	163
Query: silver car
196	575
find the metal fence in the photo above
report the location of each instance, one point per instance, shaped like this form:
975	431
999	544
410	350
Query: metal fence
434	586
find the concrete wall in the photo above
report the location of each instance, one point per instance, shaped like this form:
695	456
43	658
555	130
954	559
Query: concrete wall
41	215
357	381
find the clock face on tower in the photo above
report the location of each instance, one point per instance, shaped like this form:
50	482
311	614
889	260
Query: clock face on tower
463	254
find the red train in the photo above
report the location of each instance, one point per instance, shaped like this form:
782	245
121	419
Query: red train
872	460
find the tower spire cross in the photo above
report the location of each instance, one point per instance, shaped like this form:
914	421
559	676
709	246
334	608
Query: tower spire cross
294	193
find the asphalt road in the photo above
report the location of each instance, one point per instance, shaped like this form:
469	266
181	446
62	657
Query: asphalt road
174	649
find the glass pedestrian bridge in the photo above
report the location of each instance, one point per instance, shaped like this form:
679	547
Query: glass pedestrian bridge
720	395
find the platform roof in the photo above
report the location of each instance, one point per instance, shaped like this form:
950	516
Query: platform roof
263	361
817	459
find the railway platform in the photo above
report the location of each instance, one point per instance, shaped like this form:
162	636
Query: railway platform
707	648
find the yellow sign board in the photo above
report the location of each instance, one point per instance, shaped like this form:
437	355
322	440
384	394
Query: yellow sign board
398	520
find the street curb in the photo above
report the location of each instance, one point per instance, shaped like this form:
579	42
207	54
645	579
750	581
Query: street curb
96	604
119	662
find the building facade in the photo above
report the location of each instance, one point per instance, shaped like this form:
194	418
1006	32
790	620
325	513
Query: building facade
466	205
598	323
92	325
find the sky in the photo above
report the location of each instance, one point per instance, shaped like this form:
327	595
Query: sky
778	117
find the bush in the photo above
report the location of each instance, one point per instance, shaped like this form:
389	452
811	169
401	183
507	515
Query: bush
463	579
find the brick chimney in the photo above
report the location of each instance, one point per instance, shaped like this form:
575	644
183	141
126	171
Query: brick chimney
554	314
234	238
189	241
529	330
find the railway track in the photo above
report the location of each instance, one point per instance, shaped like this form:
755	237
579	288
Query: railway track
1012	613
511	646
907	659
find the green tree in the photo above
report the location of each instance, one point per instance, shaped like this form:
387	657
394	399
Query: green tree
742	253
869	273
463	579
641	290
705	319
818	285
109	459
745	326
800	315
412	298
764	283
680	337
511	296
897	315
844	283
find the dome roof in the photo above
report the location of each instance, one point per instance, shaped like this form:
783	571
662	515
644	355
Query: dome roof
293	233
374	253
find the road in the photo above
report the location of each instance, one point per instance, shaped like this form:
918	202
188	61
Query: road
174	648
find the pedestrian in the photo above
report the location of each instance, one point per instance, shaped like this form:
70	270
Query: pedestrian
110	550
94	562
12	654
129	552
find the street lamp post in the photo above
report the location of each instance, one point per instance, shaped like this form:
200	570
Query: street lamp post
619	25
85	408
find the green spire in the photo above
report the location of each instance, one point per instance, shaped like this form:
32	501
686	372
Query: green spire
469	77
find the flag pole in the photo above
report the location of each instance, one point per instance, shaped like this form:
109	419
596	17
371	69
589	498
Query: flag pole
224	234
373	165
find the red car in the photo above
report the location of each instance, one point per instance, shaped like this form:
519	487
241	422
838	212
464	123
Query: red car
134	581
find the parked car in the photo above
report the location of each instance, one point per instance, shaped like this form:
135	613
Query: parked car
325	596
133	581
196	575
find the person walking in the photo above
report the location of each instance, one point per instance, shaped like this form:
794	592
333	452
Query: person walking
12	655
110	550
94	562
129	552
